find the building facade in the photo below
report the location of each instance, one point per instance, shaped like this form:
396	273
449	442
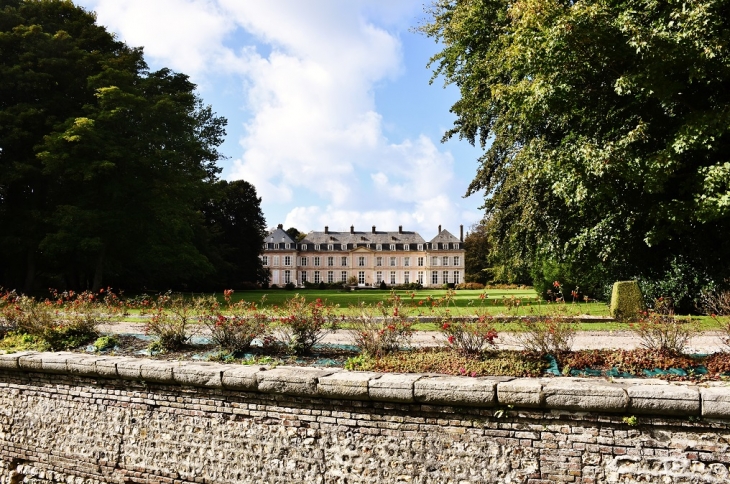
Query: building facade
368	258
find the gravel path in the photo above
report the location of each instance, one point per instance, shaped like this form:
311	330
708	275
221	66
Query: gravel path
708	342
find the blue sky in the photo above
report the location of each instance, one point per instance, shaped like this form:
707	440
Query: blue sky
330	112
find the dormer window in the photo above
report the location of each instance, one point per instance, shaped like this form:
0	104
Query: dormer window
304	246
276	246
330	247
287	246
379	247
456	245
406	246
316	246
420	246
392	246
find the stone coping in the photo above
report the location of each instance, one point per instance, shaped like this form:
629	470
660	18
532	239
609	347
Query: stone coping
631	397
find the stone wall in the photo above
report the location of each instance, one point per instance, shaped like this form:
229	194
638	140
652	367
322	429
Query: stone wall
79	419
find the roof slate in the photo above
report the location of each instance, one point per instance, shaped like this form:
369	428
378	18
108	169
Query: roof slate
378	237
444	236
278	236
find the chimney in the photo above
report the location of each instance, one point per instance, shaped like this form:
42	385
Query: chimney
281	226
439	229
352	229
400	229
461	233
326	229
373	228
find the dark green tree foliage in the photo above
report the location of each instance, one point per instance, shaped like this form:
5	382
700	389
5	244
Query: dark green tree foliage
476	254
104	166
605	128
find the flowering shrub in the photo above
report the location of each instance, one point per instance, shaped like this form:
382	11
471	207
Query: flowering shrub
660	330
717	306
469	336
545	335
301	325
382	328
236	331
173	318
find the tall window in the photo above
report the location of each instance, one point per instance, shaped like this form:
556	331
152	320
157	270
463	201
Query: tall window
456	245
456	277
316	261
392	262
330	247
316	277
445	260
330	277
276	246
303	262
344	262
379	261
434	277
457	260
434	261
330	261
276	260
361	277
392	246
406	246
343	276
446	277
406	262
392	277
361	261
287	260
420	246
265	260
287	276
316	246
420	262
406	277
378	277
304	276
420	277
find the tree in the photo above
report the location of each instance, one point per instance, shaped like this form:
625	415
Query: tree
476	254
605	129
295	234
104	165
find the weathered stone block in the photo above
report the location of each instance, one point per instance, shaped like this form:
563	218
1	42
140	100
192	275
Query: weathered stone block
393	387
585	395
663	399
292	380
241	377
56	362
456	390
201	374
10	361
715	402
131	368
521	392
31	361
84	365
351	385
159	371
107	367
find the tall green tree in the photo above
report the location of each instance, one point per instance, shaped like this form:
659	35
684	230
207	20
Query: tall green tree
605	129
104	166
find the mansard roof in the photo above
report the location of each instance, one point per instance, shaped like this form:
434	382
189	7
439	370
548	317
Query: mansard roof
278	236
353	237
444	236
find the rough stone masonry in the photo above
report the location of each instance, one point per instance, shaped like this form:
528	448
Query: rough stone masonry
73	418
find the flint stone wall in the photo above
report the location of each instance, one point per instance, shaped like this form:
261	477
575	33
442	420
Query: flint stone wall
79	419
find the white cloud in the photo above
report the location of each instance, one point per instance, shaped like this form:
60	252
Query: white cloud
314	144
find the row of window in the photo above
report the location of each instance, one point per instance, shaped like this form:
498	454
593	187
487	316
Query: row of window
330	277
406	247
362	261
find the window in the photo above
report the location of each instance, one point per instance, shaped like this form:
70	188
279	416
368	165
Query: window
420	262
303	262
330	261
304	277
344	262
316	277
406	262
266	246
446	277
445	260
343	276
304	246
434	277
392	277
379	247
406	246
420	246
287	277
434	261
276	246
276	260
457	260
456	245
316	246
287	260
392	246
330	277
287	246
361	277
361	261
378	277
265	260
420	277
456	277
406	277
344	246
316	261
392	261
379	261
330	247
